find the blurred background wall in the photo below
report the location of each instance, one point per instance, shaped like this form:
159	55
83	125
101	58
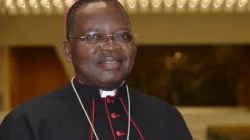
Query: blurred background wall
196	59
28	36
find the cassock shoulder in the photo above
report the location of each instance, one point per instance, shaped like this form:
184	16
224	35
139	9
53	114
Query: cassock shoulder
41	104
145	98
162	113
152	102
19	123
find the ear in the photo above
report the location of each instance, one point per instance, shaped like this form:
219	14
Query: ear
67	50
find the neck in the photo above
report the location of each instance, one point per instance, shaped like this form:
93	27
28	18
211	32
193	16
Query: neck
112	88
96	91
103	88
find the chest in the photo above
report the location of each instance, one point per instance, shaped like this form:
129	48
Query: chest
109	119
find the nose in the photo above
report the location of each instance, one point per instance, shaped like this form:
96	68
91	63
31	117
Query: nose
110	46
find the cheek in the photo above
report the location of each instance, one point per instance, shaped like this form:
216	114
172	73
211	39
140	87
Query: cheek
84	56
131	54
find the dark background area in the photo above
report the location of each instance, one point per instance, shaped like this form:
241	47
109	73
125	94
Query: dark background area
201	75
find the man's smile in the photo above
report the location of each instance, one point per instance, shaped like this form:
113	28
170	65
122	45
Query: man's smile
111	63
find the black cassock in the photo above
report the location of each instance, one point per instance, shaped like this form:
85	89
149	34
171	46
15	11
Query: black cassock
59	116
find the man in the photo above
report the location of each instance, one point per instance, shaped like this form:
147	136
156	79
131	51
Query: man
97	104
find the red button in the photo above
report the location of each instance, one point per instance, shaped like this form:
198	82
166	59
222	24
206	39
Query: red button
113	115
110	100
118	133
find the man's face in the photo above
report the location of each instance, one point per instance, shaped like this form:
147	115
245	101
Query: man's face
105	64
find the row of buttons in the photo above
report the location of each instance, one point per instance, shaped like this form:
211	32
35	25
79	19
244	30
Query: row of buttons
114	116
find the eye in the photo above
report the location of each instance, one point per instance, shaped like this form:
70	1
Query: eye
93	38
123	37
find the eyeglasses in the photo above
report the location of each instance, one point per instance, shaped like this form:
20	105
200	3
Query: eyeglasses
96	38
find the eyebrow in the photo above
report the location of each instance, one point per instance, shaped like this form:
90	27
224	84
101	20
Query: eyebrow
124	29
84	32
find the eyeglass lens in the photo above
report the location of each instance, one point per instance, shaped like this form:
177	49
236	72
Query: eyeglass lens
121	38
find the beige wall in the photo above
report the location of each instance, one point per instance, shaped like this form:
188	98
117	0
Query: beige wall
151	29
3	79
1	75
1	67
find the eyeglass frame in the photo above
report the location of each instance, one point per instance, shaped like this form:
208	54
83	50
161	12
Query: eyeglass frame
84	37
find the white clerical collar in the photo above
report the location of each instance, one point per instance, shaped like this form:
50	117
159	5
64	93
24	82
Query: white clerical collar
110	93
104	93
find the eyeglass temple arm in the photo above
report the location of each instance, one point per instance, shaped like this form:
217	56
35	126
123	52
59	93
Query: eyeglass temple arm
82	37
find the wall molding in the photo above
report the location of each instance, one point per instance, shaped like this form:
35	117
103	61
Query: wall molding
60	7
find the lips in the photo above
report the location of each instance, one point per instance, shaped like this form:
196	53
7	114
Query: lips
111	63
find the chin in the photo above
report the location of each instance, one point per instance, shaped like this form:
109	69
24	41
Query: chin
110	83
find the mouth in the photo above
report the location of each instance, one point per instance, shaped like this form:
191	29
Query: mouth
111	63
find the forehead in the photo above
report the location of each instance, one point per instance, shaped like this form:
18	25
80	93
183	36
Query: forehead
101	14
